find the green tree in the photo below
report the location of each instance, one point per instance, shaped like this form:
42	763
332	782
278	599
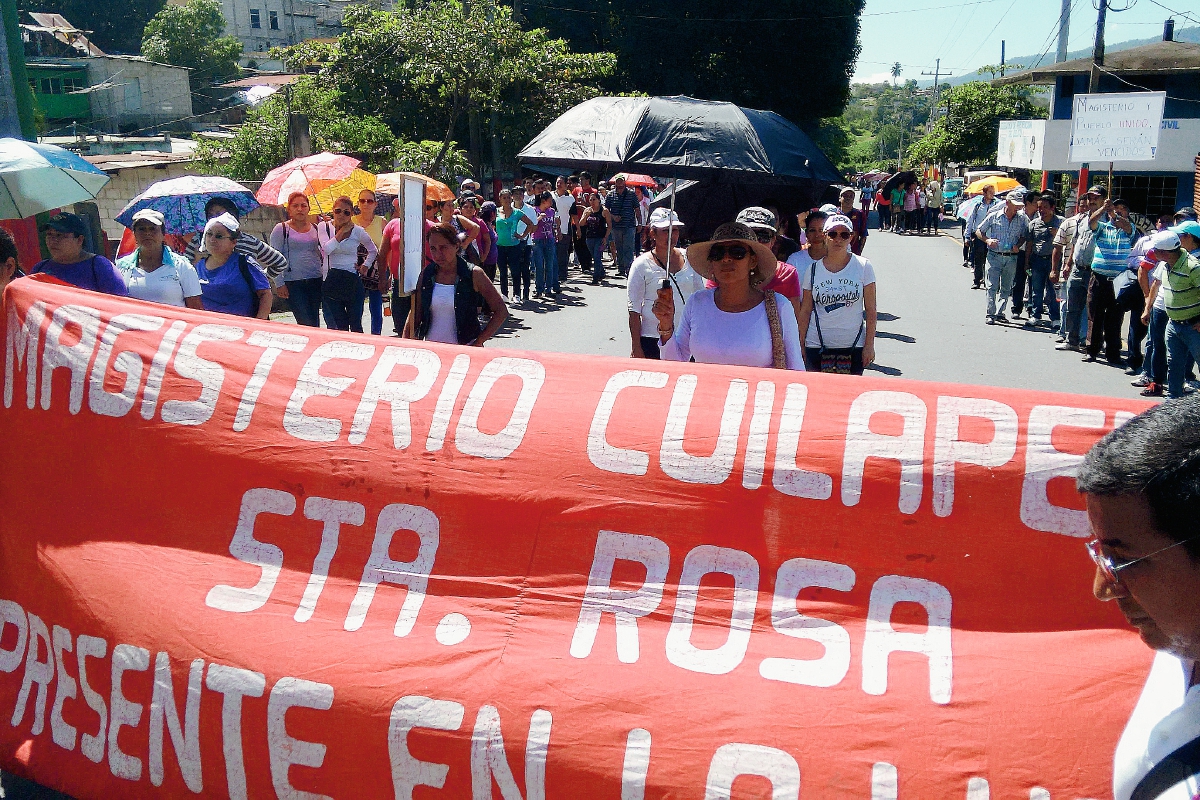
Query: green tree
191	36
442	65
794	58
261	143
897	68
113	30
969	130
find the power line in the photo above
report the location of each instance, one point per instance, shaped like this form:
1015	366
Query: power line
989	36
1143	88
1176	13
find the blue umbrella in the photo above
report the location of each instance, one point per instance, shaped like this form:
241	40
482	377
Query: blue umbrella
181	201
41	177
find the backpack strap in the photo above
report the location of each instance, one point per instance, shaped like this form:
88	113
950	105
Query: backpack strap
1180	765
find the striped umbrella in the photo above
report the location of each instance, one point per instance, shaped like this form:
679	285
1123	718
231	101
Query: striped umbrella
41	177
308	175
181	201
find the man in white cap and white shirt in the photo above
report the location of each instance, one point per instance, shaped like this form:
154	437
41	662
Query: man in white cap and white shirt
667	261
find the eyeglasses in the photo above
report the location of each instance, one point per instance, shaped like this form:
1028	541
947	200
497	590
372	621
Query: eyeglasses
345	211
735	251
217	237
764	236
839	235
1109	566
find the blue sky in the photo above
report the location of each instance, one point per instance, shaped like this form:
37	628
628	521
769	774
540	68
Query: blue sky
967	35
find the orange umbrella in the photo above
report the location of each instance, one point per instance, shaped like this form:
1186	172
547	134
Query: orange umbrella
998	182
391	183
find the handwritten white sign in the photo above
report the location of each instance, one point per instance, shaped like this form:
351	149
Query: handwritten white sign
1116	127
1021	143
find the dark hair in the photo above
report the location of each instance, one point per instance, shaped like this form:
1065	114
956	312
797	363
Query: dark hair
585	174
816	214
1032	197
1049	197
446	231
8	247
1120	201
1155	454
226	204
543	197
487	212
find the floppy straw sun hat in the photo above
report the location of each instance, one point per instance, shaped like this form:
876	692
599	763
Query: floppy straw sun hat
730	232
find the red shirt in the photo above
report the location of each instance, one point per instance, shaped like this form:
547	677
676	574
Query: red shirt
393	234
785	281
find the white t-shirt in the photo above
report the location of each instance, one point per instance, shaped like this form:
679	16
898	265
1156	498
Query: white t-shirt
169	284
801	260
442	325
740	338
645	277
1160	274
563	203
837	302
1166	717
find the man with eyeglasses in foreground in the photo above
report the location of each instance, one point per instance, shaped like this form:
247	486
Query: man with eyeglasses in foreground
1142	487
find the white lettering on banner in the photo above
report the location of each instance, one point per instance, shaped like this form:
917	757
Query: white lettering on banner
794	576
123	712
621	460
760	430
334	513
380	568
286	750
72	357
12	614
185	738
474	442
245	548
625	605
92	746
787	477
65	687
446	400
978	789
411	712
712	469
312	383
397	394
885	782
209	374
21	350
490	761
273	344
949	450
234	684
158	369
732	760
1043	463
908	447
701	561
881	639
36	671
128	363
636	766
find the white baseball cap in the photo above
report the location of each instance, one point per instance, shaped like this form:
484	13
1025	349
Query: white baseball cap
150	215
837	221
664	218
1164	240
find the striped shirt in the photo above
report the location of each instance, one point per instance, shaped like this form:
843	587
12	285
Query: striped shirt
1112	250
623	205
1010	233
262	254
1182	288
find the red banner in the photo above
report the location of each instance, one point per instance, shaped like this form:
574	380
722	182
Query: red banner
248	559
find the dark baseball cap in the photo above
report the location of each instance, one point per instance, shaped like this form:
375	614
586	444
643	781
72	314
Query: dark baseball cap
1099	191
65	223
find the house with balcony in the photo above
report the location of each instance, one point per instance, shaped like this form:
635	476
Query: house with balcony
1168	182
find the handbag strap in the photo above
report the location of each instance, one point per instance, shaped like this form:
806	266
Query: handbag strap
778	356
1180	765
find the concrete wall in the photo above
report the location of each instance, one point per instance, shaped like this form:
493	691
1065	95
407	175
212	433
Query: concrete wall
127	184
143	94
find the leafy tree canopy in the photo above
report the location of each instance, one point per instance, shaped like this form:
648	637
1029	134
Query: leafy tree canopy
191	35
113	29
968	131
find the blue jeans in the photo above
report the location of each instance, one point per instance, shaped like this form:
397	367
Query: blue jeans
594	247
304	298
1040	290
545	266
625	239
375	303
1155	365
1002	267
1183	343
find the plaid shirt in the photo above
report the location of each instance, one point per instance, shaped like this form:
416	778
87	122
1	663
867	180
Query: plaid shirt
1010	233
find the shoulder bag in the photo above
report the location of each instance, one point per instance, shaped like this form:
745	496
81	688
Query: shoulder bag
778	354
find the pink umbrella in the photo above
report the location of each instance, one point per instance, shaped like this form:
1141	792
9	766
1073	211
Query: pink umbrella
638	180
309	175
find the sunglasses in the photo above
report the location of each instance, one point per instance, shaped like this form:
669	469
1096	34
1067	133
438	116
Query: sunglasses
735	251
839	234
362	200
346	211
763	236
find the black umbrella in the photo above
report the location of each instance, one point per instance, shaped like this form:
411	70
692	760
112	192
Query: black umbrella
703	205
901	178
680	137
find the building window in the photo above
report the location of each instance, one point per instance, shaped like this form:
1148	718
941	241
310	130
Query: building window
72	85
1147	194
274	19
50	86
133	94
255	22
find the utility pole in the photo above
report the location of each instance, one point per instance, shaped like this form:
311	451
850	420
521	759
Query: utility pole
16	98
1098	50
1001	58
1064	28
937	92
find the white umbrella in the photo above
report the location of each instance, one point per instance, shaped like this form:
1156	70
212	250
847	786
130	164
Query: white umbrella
41	177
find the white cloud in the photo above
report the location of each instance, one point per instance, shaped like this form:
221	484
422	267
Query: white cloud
878	77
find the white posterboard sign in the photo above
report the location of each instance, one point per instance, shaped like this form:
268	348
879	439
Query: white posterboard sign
1116	127
1021	143
414	232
